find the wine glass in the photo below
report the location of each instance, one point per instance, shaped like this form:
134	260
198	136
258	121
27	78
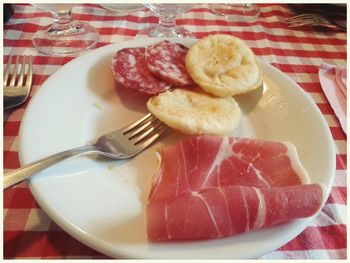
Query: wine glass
237	12
166	26
64	36
123	9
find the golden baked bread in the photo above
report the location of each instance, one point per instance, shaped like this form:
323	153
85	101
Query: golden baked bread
223	65
195	112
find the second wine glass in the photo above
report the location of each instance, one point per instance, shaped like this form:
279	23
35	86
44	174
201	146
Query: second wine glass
166	26
237	12
64	36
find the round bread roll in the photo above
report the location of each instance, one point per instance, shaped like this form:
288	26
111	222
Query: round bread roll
194	112
223	65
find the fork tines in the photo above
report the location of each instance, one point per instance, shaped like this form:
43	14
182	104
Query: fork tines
144	131
19	76
300	20
300	17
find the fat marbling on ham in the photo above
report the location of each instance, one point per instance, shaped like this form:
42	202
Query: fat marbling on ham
213	186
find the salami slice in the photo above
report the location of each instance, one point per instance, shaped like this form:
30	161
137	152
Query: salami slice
166	60
130	69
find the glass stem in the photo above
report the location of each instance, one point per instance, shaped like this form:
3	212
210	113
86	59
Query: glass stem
62	20
167	22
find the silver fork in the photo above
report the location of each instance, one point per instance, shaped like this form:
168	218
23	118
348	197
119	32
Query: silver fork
17	89
121	144
311	20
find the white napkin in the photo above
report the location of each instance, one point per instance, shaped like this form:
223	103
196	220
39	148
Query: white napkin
333	83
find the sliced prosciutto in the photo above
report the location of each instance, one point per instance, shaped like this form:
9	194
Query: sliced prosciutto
166	60
212	186
130	69
224	211
211	161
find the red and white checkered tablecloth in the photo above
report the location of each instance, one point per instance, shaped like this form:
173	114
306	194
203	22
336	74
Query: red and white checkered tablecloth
29	233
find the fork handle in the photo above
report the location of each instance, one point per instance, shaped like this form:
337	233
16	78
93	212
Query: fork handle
16	176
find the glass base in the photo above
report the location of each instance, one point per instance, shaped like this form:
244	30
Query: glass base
237	12
70	40
123	9
157	31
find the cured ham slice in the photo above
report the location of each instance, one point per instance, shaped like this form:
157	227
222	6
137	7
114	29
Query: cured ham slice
224	211
211	161
130	69
233	185
166	60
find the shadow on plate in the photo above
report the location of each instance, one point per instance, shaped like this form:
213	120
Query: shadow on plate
101	80
131	231
248	101
131	99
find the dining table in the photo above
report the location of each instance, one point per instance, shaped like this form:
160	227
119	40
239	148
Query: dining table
28	232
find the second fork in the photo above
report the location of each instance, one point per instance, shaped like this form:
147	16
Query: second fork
313	20
17	83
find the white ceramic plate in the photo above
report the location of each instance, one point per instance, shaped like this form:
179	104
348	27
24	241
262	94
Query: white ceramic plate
101	202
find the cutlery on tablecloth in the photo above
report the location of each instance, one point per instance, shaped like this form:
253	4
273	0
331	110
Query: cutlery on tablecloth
121	144
316	20
17	88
